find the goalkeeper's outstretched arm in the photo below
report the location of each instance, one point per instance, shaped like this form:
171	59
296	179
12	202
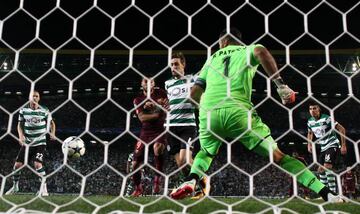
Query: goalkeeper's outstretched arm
267	61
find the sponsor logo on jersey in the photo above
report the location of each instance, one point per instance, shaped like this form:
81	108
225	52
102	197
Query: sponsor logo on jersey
177	91
33	120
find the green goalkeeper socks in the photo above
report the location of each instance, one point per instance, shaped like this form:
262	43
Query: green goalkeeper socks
201	163
305	177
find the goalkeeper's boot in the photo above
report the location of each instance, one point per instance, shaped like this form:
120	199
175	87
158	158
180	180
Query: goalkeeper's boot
185	189
138	191
202	190
156	185
332	198
13	190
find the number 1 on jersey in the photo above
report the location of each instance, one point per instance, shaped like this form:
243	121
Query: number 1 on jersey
226	61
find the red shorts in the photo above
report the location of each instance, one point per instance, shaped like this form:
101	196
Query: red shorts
139	146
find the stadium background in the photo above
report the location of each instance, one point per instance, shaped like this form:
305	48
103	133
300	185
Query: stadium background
331	82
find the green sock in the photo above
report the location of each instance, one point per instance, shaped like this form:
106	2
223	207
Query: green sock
201	163
306	177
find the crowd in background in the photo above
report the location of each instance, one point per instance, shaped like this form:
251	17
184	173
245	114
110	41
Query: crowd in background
229	173
107	122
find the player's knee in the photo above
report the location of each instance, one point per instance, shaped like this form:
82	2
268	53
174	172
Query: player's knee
18	165
328	165
38	165
278	155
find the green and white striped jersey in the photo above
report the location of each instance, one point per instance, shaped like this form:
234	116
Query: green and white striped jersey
35	122
322	131
182	111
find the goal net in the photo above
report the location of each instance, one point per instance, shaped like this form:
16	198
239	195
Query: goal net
87	60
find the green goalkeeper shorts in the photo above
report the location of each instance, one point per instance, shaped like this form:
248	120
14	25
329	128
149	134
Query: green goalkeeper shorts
233	123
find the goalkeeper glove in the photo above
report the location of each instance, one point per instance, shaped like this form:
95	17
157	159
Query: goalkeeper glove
286	94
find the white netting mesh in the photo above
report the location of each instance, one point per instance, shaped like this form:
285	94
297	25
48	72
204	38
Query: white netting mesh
87	59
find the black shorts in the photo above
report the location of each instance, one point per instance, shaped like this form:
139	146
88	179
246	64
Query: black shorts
186	133
36	153
329	156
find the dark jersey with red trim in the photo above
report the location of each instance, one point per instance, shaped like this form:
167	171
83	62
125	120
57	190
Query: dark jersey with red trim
349	182
153	127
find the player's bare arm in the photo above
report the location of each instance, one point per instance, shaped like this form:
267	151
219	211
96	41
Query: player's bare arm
310	136
52	130
164	102
195	94
20	129
268	62
143	117
341	129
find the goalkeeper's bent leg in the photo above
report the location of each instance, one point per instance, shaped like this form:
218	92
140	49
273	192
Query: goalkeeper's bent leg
290	164
305	176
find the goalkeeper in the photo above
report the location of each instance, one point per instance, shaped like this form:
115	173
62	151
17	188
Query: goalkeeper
225	85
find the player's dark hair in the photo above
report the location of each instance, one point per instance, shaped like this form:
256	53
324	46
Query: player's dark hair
233	36
313	103
179	55
35	91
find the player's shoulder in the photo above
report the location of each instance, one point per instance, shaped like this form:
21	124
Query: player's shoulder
171	79
26	107
256	45
160	91
190	77
324	116
44	108
169	82
138	98
311	119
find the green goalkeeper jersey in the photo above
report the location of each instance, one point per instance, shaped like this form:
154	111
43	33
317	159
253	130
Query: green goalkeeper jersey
227	78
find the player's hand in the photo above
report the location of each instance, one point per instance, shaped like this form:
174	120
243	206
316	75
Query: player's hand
149	105
286	94
52	136
21	140
164	103
343	150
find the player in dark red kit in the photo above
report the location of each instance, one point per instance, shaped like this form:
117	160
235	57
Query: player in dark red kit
349	182
152	118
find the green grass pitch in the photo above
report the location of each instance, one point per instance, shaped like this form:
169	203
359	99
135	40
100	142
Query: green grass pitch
106	204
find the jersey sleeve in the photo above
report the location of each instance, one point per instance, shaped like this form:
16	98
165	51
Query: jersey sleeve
48	115
201	79
191	80
308	126
139	108
166	85
21	115
328	121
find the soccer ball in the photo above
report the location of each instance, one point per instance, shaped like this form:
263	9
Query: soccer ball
73	147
